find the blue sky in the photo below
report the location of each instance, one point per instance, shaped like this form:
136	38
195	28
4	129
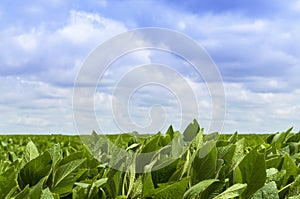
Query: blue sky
255	45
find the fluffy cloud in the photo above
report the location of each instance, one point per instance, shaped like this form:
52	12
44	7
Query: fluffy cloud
53	55
38	68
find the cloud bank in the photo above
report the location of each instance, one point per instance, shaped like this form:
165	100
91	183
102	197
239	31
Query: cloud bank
255	45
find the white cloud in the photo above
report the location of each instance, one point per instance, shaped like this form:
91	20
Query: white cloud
34	106
49	59
28	41
88	28
253	112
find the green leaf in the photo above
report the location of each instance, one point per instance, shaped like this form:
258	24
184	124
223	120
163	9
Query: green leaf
64	178
291	169
23	194
152	145
34	170
233	138
171	190
148	186
115	182
274	162
7	181
252	170
211	137
269	191
196	190
274	175
279	140
30	153
46	194
238	154
295	188
170	132
212	190
177	147
55	153
233	191
100	182
165	171
72	157
204	163
82	184
191	131
36	191
197	142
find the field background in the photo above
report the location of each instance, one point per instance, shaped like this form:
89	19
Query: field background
195	165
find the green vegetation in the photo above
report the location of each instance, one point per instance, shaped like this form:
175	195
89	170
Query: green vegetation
187	165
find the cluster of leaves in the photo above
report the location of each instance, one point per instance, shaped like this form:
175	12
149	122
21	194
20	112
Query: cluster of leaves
188	165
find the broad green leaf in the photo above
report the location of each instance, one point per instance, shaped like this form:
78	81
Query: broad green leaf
204	163
177	147
213	190
65	186
274	175
55	153
64	177
197	142
34	170
170	132
7	181
164	140
100	182
30	153
269	191
196	190
148	186
171	190
279	140
274	162
72	157
226	154
291	169
152	145
251	170
211	137
238	154
294	147
233	191
294	138
295	188
115	182
23	194
36	191
165	171
233	138
191	131
46	194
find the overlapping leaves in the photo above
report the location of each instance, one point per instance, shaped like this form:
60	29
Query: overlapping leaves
189	165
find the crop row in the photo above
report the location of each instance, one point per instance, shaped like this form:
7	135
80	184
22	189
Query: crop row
171	165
